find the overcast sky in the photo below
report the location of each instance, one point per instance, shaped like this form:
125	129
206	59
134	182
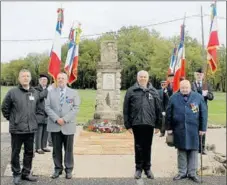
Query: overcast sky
37	20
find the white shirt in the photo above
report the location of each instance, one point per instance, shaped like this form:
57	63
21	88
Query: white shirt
199	83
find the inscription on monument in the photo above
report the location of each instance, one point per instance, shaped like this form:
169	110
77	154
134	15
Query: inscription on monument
108	81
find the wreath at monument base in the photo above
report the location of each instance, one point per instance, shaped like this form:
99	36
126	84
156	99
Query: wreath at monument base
103	126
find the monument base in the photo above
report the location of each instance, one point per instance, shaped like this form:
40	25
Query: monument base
113	116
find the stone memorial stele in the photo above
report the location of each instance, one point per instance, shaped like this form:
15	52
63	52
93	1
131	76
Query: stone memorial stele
108	95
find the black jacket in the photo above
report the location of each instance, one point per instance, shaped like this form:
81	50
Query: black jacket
164	96
20	109
40	109
209	96
142	107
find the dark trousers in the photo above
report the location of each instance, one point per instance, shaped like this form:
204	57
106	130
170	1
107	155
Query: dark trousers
59	140
203	143
16	142
143	136
163	127
41	137
49	139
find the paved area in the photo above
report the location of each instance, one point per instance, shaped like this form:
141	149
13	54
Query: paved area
110	169
91	143
117	181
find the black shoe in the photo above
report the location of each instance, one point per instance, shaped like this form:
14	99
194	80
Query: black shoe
46	149
68	175
30	177
17	179
179	177
149	174
194	178
39	151
138	174
56	175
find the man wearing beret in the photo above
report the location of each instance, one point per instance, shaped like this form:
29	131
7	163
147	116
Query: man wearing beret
205	90
170	83
42	134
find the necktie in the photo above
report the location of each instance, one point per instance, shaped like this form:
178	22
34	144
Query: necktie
61	97
199	85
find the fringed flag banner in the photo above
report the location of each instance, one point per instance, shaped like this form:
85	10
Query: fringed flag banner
71	63
213	40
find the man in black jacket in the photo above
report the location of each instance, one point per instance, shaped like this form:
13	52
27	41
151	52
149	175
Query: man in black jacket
42	134
205	90
19	107
142	113
164	94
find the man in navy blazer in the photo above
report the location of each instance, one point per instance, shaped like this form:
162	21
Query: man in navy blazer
187	121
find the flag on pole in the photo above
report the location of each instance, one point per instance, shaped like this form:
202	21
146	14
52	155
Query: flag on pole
180	59
71	63
55	55
172	61
213	40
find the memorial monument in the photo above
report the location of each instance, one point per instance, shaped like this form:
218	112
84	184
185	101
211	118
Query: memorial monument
108	95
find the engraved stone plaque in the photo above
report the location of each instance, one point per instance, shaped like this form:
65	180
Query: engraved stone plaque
108	81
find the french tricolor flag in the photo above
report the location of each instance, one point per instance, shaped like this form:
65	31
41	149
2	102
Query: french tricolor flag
55	55
71	63
213	40
172	61
179	70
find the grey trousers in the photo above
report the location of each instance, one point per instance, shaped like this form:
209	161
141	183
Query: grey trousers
59	140
187	162
41	137
49	139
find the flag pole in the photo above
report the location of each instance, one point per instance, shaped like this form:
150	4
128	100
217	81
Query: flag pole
205	65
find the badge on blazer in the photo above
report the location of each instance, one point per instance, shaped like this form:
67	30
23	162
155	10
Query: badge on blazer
150	97
194	107
68	100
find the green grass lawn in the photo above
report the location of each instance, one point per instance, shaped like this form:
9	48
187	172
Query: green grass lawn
217	107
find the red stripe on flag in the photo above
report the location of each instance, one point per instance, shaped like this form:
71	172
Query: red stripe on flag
213	41
54	65
73	75
183	65
176	80
212	60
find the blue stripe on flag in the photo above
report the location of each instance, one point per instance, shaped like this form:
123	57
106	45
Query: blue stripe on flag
59	27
